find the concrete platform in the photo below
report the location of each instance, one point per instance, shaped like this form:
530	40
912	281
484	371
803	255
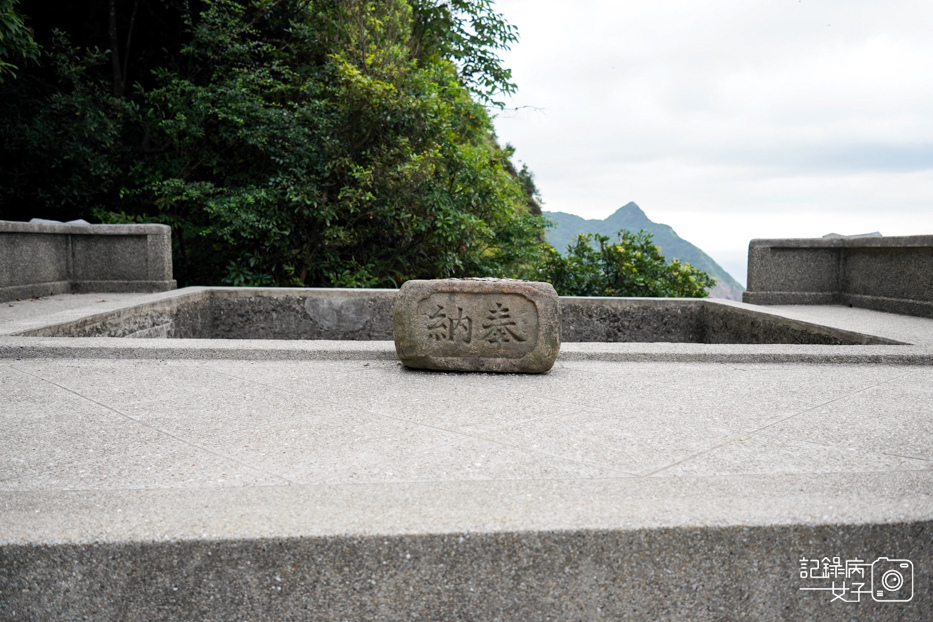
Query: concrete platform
238	480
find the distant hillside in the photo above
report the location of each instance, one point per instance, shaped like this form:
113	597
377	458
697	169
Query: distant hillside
630	216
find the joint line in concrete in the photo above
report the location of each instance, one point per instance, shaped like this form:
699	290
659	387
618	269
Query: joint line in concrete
154	428
782	420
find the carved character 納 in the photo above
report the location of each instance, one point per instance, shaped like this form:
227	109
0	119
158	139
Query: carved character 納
441	327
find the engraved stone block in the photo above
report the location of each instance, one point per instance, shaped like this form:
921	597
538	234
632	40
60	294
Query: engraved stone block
495	325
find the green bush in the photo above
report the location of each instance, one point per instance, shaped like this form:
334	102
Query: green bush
16	42
633	266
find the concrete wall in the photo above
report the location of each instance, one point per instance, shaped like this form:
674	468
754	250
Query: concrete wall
44	259
893	274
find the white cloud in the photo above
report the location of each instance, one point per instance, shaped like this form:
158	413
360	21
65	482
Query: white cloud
728	119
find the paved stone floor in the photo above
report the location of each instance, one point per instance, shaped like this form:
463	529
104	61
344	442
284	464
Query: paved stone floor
125	430
104	451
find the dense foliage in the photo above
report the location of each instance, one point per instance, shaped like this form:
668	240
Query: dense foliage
16	42
633	266
286	142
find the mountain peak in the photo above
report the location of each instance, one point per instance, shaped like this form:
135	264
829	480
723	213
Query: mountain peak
631	206
629	211
630	217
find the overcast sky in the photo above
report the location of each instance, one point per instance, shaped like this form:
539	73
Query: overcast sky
729	119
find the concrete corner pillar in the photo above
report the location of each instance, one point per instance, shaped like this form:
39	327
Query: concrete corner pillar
41	259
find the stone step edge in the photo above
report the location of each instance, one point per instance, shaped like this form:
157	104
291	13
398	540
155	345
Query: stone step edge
237	349
685	574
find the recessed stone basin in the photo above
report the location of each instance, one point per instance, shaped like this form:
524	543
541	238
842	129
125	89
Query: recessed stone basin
292	464
366	315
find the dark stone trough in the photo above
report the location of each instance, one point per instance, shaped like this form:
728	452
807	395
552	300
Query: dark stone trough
366	315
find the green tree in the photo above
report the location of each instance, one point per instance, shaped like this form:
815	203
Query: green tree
313	148
470	33
287	142
633	266
16	42
61	138
68	147
295	142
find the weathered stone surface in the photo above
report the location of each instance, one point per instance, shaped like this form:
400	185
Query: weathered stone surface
305	313
496	325
893	274
41	259
366	315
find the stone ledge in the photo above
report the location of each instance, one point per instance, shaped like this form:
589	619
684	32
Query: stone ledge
698	574
35	290
107	287
790	298
893	274
11	226
312	350
40	259
254	512
904	241
695	574
632	548
323	314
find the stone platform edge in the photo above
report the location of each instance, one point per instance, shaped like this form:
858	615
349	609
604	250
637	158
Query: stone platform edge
891	274
446	507
648	542
321	350
650	574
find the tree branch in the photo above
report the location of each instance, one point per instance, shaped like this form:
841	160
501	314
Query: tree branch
115	50
126	48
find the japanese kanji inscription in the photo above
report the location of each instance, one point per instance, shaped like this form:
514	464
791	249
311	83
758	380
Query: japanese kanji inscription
477	325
